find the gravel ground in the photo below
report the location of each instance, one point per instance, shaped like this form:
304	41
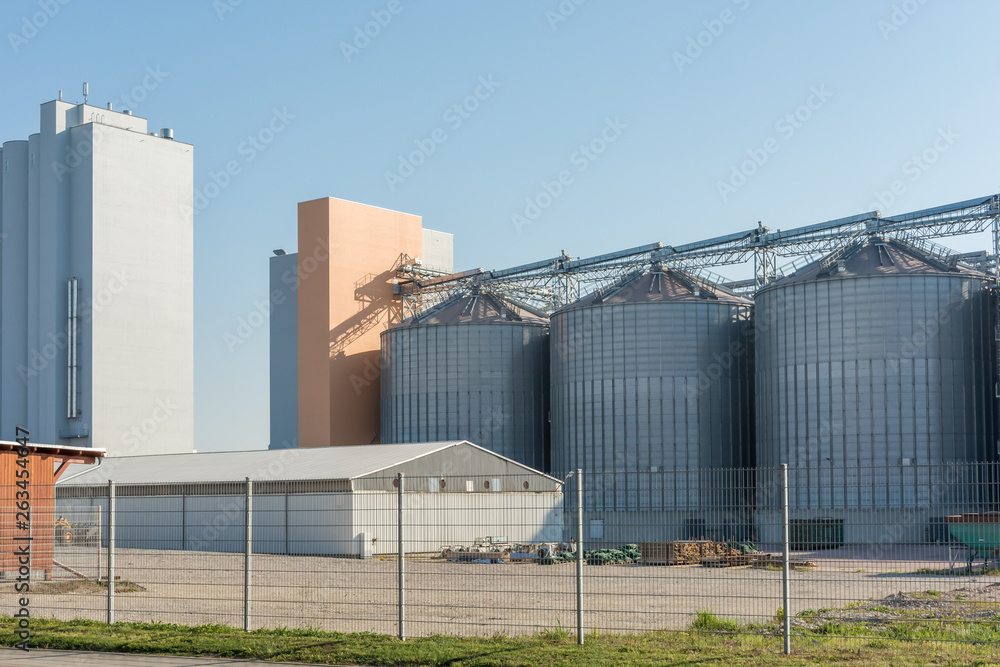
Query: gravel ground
483	599
966	603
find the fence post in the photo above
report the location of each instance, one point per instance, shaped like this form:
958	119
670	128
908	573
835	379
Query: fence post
100	556
786	612
184	511
400	557
111	552
579	556
248	555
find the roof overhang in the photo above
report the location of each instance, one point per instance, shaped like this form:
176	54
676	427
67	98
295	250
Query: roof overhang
60	454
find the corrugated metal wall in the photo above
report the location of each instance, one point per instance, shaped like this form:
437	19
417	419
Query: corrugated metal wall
327	523
884	372
486	383
433	520
641	387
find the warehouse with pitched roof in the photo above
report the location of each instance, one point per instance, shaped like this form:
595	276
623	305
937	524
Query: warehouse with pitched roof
334	501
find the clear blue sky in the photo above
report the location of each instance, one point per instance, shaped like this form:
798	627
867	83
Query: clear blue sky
885	85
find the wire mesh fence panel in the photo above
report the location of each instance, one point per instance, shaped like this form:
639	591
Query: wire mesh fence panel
674	543
65	556
323	556
77	544
487	555
908	551
179	553
901	551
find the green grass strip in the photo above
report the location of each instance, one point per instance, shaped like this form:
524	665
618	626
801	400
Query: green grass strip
708	643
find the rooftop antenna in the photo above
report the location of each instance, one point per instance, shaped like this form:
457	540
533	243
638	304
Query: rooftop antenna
86	91
60	96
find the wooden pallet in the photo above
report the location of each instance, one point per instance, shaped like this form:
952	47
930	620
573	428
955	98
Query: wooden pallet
681	552
731	560
467	556
523	559
771	560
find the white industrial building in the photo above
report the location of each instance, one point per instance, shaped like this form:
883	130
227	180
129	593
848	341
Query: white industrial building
97	283
334	501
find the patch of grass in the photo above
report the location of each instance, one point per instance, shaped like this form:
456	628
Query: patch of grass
935	630
877	647
961	571
555	635
706	621
124	586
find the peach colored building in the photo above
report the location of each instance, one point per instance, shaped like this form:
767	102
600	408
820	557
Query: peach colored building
346	263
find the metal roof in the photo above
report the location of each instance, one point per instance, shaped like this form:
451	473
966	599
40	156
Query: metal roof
660	286
875	257
477	307
304	463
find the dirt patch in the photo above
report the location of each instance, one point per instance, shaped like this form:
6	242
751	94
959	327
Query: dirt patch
360	595
80	587
970	603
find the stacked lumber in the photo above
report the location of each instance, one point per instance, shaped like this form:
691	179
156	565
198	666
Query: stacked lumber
774	560
685	552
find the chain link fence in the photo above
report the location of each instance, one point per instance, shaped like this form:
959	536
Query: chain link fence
842	551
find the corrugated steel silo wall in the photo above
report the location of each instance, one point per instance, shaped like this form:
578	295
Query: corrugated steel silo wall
643	388
485	383
865	385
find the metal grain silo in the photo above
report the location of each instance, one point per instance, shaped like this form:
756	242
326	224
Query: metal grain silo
651	398
874	384
472	368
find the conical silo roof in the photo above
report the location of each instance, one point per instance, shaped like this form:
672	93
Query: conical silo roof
660	285
873	257
477	307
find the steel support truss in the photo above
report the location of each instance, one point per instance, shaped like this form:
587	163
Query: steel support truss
550	284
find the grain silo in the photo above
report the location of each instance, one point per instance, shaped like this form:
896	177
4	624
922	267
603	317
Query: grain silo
651	398
874	384
472	368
